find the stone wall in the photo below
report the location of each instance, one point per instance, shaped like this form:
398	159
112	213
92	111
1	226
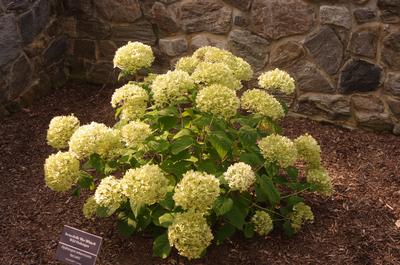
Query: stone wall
32	50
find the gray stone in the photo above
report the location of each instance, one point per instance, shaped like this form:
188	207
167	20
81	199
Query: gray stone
103	73
201	40
173	46
394	106
364	43
42	13
335	15
240	19
107	49
276	19
250	47
391	50
364	15
93	28
367	103
141	30
286	54
119	10
373	121
9	39
329	106
392	84
396	129
84	6
326	49
205	15
32	22
359	76
55	51
20	75
240	4
164	18
309	78
85	49
390	10
17	6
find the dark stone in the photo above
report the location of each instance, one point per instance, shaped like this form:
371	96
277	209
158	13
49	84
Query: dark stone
286	54
359	76
4	89
106	49
391	50
93	28
240	20
84	6
18	6
392	84
364	43
55	51
27	26
9	39
20	75
164	18
335	107
140	31
335	15
173	46
390	10
42	13
364	15
85	49
326	48
250	47
240	4
103	73
119	10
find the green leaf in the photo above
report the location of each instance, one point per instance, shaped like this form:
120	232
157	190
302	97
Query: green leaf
182	144
167	122
268	188
76	192
247	136
159	145
161	247
288	229
293	200
183	132
166	219
236	216
208	166
136	208
168	203
292	172
86	181
248	230
222	205
261	196
102	211
272	169
251	159
126	225
97	163
221	143
225	231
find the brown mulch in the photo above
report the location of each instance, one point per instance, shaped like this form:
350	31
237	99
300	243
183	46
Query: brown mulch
355	226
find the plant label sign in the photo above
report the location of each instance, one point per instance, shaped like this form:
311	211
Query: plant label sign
77	247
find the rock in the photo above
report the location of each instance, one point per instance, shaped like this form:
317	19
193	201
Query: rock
20	76
34	21
391	50
240	19
102	73
85	49
164	18
4	91
173	46
55	51
286	54
326	49
9	39
202	40
205	15
367	103
364	43
359	76
93	28
141	31
392	84
396	129
390	10
250	47
42	13
309	78
276	19
364	15
394	106
119	10
243	5
331	106
107	50
373	121
84	6
335	15
17	6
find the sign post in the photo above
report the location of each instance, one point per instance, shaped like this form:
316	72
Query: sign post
77	247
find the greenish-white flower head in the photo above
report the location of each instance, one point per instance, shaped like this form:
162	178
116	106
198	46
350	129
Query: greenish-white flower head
277	80
218	100
171	86
197	191
135	133
60	130
109	194
321	179
94	138
133	56
89	208
187	64
240	176
61	171
145	185
279	149
260	102
262	223
207	74
308	150
133	99
190	234
301	214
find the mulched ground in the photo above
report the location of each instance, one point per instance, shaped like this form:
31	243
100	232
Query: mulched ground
355	226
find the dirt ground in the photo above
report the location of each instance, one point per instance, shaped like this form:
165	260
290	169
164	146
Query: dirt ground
355	226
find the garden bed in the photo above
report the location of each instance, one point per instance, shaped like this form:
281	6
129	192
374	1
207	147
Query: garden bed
355	226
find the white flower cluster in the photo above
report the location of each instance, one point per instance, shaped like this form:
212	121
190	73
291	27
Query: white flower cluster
145	185
320	178
133	100
169	87
187	64
135	133
190	234
95	138
262	223
280	149
133	57
215	73
308	150
197	191
61	171
260	102
240	176
218	100
60	130
277	80
301	214
109	194
90	207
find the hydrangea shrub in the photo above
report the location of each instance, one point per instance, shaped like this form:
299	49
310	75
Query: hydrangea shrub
188	158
